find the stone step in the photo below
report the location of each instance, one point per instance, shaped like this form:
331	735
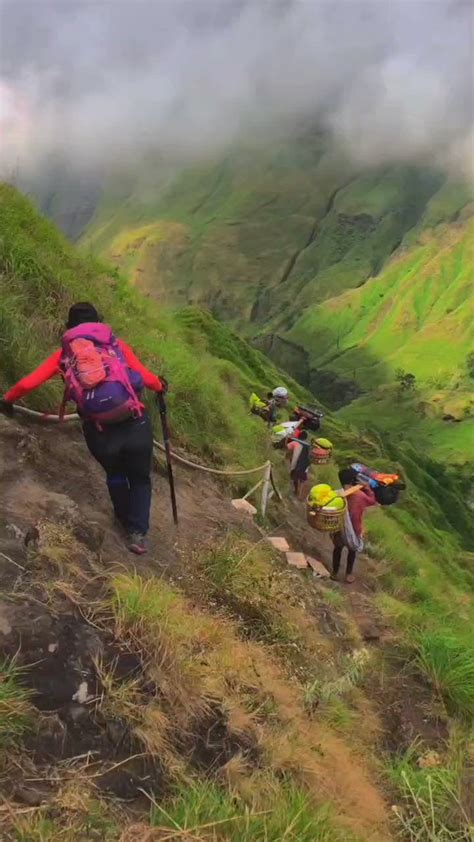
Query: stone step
279	543
297	560
318	567
244	506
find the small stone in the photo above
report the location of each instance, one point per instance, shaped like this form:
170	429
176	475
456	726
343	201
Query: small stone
90	535
52	647
32	537
30	795
430	760
370	633
15	531
81	695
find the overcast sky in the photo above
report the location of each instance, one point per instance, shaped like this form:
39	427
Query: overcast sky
106	80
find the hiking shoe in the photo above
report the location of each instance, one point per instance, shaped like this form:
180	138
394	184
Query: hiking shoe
136	543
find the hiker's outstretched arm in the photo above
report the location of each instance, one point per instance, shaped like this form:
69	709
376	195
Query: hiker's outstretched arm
150	380
40	375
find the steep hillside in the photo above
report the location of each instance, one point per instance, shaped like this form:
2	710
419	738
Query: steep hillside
415	315
42	275
215	694
260	235
345	280
211	369
405	316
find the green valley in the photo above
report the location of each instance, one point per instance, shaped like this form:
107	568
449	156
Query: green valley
252	688
217	217
346	280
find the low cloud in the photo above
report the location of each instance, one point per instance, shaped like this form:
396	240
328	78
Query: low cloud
105	82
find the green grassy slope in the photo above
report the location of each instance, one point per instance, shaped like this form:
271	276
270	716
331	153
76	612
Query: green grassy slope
424	575
415	316
342	278
261	234
211	369
41	275
214	234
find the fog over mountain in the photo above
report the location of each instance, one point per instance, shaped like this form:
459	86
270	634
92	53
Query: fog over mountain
100	82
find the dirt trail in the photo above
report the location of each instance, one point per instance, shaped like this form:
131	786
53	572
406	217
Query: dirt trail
36	484
47	475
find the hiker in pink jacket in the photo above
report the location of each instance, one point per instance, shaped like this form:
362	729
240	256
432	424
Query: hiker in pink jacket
105	380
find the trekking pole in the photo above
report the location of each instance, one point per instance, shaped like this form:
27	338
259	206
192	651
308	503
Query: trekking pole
166	443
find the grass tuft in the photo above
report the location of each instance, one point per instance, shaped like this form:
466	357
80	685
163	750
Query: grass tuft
449	664
431	808
204	811
15	709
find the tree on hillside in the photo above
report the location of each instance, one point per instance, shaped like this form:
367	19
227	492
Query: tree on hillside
406	381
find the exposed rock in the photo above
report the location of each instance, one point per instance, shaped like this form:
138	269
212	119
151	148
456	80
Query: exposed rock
89	534
33	796
32	537
82	693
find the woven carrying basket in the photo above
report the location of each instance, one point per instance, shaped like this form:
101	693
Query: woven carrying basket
325	521
317	457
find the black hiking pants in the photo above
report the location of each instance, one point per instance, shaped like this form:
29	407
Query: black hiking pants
125	451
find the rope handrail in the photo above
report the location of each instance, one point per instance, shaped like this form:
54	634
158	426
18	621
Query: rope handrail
46	416
213	470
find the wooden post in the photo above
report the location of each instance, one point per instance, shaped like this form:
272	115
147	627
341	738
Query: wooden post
266	487
254	488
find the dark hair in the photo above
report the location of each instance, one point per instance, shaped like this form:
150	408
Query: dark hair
82	312
347	476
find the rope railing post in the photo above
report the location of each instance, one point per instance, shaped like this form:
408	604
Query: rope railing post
275	489
266	487
254	488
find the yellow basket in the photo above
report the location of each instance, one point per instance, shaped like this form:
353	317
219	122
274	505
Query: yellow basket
324	520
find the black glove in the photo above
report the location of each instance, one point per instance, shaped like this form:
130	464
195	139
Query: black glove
6	407
165	385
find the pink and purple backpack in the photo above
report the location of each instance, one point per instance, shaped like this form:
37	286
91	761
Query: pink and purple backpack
97	377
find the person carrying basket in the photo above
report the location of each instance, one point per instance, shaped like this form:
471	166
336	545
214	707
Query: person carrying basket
359	497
